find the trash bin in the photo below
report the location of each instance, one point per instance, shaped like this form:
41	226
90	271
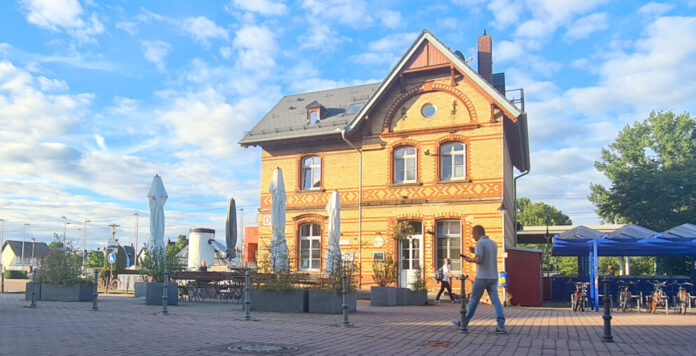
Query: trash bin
502	279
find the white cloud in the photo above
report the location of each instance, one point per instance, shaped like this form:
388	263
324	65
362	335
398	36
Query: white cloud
256	46
319	36
506	12
202	29
655	9
263	7
155	52
47	84
127	26
226	52
55	15
353	13
391	19
583	27
386	50
504	51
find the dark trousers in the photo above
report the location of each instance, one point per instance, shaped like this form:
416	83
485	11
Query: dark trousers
444	285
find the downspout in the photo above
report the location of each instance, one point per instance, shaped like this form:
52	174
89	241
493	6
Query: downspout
360	167
515	198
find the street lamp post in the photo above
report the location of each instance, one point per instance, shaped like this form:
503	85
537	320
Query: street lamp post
24	236
84	244
33	244
135	249
241	219
2	266
65	228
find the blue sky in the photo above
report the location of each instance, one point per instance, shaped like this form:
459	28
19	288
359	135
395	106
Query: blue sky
97	97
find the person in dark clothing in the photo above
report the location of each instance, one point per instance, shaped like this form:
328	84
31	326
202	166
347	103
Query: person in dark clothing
203	267
445	282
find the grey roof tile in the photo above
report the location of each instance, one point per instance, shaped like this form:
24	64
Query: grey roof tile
288	118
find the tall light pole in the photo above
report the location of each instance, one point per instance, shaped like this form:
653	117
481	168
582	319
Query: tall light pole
84	244
135	249
24	236
65	228
2	266
33	243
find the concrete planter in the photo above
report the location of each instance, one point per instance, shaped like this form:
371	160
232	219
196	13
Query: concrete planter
291	301
330	302
58	293
153	294
140	289
417	297
383	296
402	296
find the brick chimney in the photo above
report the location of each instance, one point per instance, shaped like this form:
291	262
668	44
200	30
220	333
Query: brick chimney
485	57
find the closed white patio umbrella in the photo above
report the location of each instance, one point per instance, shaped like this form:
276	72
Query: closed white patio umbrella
333	253
157	196
279	247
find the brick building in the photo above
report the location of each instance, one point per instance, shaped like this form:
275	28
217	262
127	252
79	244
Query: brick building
434	144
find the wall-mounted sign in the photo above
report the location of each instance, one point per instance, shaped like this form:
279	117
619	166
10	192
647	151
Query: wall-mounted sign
343	242
347	257
266	220
379	241
378	256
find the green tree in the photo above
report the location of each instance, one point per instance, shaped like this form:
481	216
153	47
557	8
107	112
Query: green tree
651	166
95	259
540	214
181	242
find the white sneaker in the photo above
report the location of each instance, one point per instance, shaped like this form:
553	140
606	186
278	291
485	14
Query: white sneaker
437	301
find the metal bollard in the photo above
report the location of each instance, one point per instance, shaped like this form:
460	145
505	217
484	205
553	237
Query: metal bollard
607	312
33	290
165	293
96	292
345	302
247	290
462	309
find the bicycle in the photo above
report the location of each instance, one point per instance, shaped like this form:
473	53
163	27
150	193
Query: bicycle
658	298
625	296
580	296
108	283
683	298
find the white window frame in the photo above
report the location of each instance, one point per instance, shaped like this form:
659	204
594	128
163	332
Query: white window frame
406	159
448	150
311	167
449	246
314	239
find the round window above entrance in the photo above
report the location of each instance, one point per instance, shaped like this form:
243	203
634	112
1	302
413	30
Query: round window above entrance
428	110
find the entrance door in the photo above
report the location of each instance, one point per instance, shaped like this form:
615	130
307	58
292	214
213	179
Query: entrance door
411	256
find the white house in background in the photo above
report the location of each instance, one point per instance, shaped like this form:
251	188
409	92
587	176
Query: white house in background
12	254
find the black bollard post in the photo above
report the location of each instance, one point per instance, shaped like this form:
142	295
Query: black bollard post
607	312
345	302
462	309
33	289
165	293
247	290
96	292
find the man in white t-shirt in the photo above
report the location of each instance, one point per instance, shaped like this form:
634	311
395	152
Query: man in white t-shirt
445	282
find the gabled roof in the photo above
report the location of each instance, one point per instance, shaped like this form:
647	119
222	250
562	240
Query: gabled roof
288	118
679	232
631	232
580	233
40	250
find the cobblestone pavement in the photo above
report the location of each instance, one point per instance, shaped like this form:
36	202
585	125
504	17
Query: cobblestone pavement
125	325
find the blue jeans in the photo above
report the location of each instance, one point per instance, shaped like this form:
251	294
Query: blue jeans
490	285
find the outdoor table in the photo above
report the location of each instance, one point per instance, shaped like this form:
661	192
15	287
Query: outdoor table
201	285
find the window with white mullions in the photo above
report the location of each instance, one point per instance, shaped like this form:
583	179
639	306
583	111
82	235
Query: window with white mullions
311	173
452	161
405	164
449	240
310	247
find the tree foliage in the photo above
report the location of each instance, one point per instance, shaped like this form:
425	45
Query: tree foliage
61	267
181	242
540	214
95	259
651	166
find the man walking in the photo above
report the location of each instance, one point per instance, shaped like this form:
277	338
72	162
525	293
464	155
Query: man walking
486	259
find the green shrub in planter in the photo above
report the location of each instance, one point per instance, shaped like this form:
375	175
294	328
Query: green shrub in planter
15	274
61	267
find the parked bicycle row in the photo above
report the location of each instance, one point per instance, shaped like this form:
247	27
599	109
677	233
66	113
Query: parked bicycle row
629	296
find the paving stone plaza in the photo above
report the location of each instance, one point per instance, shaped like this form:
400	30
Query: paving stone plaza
124	325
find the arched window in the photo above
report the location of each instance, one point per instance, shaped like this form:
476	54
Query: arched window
452	161
449	241
311	172
405	164
310	247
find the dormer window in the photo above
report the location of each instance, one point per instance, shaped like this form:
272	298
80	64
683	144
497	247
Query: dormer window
315	112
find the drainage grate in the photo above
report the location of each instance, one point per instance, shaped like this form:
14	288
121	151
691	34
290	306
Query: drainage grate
438	344
262	349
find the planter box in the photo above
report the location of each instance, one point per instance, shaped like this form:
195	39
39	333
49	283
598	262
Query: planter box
140	289
30	286
383	296
291	301
153	294
417	298
402	296
57	293
330	302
